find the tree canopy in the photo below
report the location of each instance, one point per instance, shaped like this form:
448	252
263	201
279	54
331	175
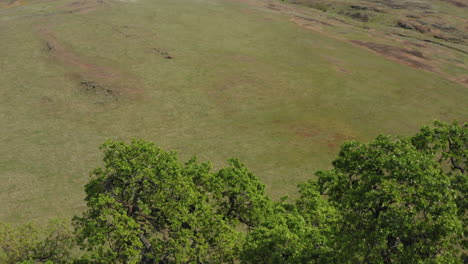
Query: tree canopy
396	204
145	206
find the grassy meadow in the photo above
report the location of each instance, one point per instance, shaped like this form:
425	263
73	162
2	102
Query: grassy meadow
211	78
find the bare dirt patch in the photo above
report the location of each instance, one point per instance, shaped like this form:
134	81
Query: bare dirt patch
13	3
408	57
328	137
102	80
308	23
464	80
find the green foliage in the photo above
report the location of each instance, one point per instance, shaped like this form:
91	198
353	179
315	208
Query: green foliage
295	233
240	195
29	243
145	206
449	145
448	142
397	205
316	210
282	239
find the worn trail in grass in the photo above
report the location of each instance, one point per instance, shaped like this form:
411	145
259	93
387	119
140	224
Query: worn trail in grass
212	78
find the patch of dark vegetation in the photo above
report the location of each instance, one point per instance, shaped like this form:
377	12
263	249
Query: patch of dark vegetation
401	35
415	53
366	8
84	6
49	46
98	89
314	20
398	4
449	39
456	3
315	4
360	16
340	20
416	26
405	56
445	28
163	53
412	16
456	61
438	30
446	46
359	7
273	7
91	86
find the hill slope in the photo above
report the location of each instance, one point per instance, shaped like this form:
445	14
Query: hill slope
280	86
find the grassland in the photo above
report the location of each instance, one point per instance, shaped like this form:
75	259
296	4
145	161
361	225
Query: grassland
280	86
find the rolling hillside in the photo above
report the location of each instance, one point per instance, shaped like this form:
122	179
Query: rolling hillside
278	84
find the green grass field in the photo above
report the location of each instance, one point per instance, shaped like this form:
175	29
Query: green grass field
242	80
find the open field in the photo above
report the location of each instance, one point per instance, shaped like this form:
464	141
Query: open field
280	86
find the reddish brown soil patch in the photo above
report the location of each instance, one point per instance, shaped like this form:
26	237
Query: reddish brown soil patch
331	139
306	24
408	57
59	51
92	77
13	3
